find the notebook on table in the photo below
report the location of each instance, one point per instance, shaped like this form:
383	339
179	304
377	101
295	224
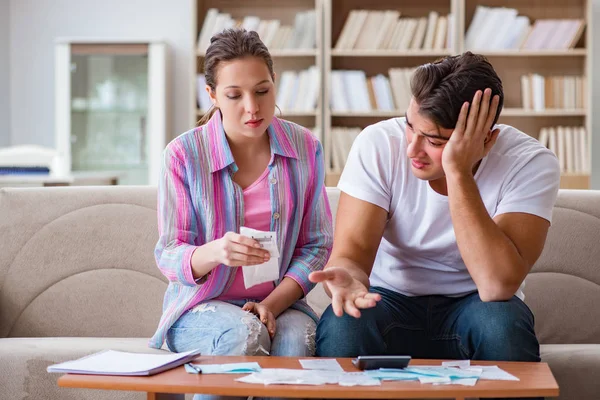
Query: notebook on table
112	362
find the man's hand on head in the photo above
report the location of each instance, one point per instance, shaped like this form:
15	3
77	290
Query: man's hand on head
472	138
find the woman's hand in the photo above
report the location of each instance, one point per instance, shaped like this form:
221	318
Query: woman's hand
236	250
264	314
347	293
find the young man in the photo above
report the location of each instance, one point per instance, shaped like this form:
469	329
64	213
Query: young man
442	215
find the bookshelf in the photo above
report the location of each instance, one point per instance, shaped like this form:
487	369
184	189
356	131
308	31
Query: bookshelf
284	59
510	64
355	54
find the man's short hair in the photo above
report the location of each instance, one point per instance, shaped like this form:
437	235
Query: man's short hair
440	88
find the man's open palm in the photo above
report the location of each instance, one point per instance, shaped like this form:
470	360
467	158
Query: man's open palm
347	293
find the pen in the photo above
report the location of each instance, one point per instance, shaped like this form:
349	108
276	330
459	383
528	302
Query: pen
197	369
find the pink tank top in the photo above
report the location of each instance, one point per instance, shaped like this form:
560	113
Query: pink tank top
257	215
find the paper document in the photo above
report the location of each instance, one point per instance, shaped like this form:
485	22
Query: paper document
233	368
436	375
458	363
284	376
494	373
111	362
324	364
463	382
265	272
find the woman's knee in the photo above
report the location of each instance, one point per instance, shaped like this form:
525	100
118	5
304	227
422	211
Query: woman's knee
219	329
295	335
246	337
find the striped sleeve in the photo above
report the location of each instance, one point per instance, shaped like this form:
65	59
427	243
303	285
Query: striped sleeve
176	222
316	231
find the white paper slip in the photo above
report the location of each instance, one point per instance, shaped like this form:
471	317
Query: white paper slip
283	376
267	271
463	382
434	379
112	362
458	363
495	373
323	364
232	368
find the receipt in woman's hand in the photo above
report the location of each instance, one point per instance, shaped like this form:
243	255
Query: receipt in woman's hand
265	272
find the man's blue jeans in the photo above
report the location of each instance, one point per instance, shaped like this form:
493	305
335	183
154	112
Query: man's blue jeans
432	327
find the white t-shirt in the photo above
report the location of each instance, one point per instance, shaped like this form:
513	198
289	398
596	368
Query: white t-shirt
418	254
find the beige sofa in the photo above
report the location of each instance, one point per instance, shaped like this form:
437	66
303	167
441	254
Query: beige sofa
77	275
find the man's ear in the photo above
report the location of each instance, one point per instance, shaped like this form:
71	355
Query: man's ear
490	140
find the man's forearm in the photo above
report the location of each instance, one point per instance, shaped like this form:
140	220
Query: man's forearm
489	255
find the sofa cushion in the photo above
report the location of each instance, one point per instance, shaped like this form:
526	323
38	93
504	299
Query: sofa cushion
81	264
24	361
575	367
563	288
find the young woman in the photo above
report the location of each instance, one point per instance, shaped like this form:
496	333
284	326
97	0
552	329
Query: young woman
241	167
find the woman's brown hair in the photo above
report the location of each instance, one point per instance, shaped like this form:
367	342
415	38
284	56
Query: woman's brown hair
232	44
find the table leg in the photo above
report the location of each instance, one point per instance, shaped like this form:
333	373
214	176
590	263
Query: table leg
165	396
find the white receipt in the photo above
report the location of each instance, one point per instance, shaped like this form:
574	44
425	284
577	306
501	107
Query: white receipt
326	364
265	272
457	363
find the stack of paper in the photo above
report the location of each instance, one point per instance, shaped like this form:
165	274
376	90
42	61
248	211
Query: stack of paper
451	373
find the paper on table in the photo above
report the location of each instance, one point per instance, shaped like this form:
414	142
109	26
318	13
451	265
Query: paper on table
494	373
463	382
392	375
265	272
434	379
453	373
111	362
357	379
458	363
324	364
417	372
282	376
232	368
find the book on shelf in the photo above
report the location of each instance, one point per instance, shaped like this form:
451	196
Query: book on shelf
501	28
353	91
571	146
387	30
272	32
342	139
298	91
553	92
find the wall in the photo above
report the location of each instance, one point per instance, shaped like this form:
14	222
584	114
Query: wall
28	29
4	73
595	183
34	24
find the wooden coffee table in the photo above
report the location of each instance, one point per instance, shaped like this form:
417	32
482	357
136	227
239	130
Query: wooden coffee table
536	380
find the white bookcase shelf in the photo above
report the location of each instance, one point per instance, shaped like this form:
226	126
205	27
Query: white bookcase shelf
389	53
510	64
